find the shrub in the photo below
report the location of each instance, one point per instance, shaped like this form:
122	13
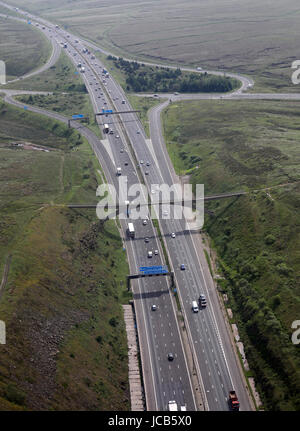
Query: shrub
269	239
15	395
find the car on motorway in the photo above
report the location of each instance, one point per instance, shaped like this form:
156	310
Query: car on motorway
141	162
156	252
138	132
154	307
147	173
170	357
147	239
117	136
126	163
173	235
147	163
165	213
150	254
121	150
182	267
202	300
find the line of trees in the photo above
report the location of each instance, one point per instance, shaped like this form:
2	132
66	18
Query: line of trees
141	78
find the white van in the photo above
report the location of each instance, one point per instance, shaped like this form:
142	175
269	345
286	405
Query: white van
195	307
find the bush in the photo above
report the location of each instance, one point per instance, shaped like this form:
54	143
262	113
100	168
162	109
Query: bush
15	395
269	239
113	322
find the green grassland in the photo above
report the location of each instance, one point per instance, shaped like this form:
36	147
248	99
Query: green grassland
61	77
234	145
66	343
251	37
21	59
67	104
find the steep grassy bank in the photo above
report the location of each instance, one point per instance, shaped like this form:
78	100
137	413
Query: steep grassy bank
66	344
237	145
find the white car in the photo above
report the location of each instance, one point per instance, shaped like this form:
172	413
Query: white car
144	222
156	252
150	254
173	235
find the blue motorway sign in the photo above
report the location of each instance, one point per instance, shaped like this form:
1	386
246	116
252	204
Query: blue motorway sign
155	271
107	111
77	116
148	268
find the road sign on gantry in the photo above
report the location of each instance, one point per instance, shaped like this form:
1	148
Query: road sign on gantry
77	116
148	268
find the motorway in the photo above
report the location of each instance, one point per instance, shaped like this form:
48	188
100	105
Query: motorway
214	359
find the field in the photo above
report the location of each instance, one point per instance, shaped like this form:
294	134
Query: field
66	343
251	37
62	77
21	59
234	145
66	104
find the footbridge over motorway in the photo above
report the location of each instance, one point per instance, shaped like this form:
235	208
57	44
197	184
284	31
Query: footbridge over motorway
124	208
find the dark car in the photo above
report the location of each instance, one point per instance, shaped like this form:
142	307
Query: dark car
202	301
